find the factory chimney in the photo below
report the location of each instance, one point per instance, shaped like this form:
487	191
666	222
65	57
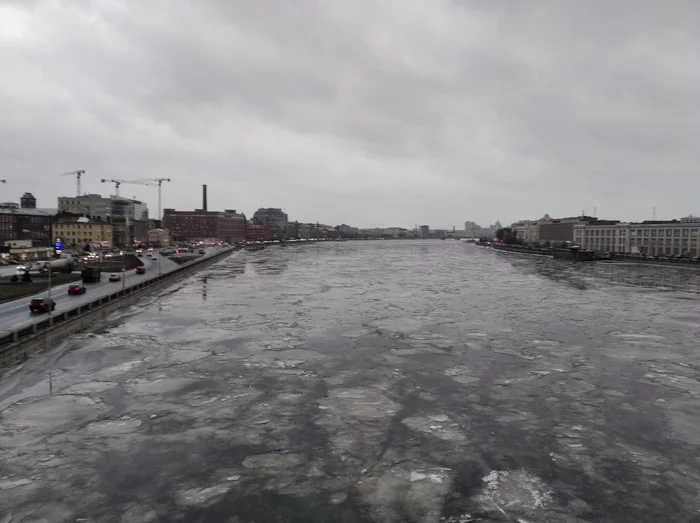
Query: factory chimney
204	197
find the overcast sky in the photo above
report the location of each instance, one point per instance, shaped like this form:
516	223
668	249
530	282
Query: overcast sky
367	112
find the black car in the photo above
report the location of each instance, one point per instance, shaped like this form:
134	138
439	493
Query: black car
141	270
41	305
76	289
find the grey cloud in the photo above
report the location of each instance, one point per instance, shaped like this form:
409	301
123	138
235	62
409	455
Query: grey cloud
395	112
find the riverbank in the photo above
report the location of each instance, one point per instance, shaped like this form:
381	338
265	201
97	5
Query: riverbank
581	255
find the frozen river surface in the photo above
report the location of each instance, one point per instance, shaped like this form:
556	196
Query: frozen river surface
370	382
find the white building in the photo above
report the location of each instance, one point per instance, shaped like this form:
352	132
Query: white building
668	238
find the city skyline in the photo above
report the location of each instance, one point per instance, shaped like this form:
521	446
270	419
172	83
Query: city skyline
408	113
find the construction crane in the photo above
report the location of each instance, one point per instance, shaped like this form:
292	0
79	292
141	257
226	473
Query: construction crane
159	181
77	174
117	183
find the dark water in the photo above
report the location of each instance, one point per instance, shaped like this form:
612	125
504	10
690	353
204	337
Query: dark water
370	381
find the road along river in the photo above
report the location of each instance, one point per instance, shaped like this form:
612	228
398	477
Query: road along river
370	382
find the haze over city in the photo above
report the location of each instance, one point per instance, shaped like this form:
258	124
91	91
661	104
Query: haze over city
376	114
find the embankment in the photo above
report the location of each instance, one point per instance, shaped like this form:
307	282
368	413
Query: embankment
19	344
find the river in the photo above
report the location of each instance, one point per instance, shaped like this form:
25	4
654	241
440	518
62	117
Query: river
388	381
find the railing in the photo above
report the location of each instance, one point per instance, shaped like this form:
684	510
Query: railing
43	326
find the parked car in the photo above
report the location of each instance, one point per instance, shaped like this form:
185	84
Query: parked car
141	270
76	288
41	305
115	277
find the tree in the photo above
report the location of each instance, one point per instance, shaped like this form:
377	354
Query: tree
507	236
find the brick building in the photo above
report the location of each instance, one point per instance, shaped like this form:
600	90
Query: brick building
258	232
26	221
228	225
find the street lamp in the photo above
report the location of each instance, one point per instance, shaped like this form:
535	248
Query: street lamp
49	293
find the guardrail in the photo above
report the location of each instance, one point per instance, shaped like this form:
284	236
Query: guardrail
14	338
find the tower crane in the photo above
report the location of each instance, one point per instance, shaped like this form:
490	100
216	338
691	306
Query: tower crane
77	174
159	181
117	183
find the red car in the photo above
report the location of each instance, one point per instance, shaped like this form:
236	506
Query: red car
76	289
141	270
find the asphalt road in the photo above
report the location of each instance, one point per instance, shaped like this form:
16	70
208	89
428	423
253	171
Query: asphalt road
15	314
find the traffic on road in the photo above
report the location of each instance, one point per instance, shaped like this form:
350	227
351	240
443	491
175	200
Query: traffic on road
16	314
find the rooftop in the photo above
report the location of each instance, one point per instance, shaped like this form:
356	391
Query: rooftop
28	212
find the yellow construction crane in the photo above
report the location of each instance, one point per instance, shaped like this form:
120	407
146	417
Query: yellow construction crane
159	181
77	175
117	183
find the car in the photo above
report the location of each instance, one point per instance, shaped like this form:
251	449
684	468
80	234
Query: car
202	251
76	288
139	254
141	270
115	277
41	305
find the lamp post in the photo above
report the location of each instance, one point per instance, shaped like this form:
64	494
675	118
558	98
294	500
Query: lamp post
50	304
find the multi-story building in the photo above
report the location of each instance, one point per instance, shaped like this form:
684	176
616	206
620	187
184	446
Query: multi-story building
158	237
91	205
274	219
258	232
654	238
424	232
78	231
129	217
527	231
556	232
26	222
228	225
96	206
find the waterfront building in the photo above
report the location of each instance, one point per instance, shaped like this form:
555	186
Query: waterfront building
424	232
653	238
228	225
24	221
258	232
527	231
556	232
274	219
77	231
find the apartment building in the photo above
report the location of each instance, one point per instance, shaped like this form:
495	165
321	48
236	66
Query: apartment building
654	238
76	231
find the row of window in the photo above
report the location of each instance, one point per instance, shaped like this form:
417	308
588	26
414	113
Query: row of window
640	232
